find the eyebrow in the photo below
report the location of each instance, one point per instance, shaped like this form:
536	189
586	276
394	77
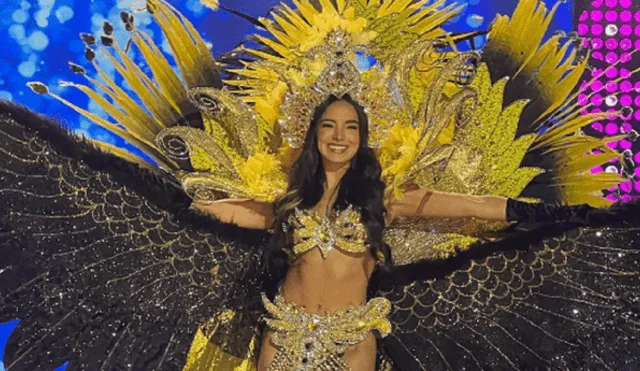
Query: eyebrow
348	122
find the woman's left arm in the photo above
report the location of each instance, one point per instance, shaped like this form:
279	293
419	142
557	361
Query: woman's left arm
430	203
426	202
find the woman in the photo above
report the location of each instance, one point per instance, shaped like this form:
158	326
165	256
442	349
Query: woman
337	170
119	251
107	267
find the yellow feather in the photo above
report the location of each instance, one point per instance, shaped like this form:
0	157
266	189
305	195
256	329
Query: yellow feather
327	6
292	34
283	50
148	148
263	177
211	4
168	82
307	10
294	18
558	131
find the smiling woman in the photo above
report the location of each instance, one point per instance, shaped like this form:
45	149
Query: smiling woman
301	213
339	133
334	191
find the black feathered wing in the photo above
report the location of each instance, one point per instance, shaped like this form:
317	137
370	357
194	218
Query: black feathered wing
546	299
103	262
548	75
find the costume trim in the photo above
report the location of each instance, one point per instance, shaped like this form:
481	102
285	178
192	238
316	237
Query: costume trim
342	229
317	342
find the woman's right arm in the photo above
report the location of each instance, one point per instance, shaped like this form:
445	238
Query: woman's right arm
244	213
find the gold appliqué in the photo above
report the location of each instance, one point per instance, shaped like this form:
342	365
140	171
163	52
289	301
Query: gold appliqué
316	342
342	229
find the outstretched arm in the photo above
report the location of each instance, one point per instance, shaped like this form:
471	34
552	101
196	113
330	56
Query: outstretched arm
430	203
244	213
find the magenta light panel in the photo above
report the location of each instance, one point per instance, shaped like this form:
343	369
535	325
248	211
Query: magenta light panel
611	28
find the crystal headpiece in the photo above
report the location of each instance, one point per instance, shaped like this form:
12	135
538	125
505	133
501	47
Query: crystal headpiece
372	89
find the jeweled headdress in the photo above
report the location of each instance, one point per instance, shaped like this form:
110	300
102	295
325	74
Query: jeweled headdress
340	77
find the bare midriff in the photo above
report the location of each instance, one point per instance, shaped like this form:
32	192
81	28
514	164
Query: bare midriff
329	284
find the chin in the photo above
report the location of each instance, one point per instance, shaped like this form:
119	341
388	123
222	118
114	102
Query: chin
338	158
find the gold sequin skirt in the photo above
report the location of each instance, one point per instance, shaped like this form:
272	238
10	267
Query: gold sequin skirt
317	342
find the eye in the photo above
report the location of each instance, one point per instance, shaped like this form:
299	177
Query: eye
353	127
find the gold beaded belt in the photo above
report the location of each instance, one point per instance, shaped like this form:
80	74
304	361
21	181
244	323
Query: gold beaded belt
317	342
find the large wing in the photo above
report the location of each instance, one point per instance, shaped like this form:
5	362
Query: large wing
566	300
103	262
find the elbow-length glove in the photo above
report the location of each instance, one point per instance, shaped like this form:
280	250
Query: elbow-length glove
542	213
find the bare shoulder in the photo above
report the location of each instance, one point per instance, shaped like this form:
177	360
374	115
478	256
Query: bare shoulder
242	212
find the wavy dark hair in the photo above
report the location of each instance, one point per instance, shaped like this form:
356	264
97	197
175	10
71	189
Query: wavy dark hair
361	186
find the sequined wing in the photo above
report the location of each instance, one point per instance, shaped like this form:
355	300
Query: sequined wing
103	262
546	300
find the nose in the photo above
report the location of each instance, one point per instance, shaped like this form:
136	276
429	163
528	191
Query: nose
338	133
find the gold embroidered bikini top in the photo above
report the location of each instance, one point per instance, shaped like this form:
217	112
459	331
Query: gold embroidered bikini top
341	229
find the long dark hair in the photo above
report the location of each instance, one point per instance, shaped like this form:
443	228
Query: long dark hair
361	186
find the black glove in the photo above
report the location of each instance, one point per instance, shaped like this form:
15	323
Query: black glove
536	213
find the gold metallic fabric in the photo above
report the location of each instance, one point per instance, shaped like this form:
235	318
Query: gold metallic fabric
316	342
207	356
341	229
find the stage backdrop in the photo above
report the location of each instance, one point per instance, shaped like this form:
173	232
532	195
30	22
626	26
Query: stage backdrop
40	36
611	28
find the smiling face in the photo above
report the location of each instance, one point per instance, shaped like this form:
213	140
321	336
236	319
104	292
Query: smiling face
339	133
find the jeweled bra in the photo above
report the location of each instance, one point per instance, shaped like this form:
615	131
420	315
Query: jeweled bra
341	229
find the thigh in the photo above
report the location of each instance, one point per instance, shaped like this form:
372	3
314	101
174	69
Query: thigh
267	351
362	356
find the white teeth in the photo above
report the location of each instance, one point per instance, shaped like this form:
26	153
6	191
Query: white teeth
337	148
